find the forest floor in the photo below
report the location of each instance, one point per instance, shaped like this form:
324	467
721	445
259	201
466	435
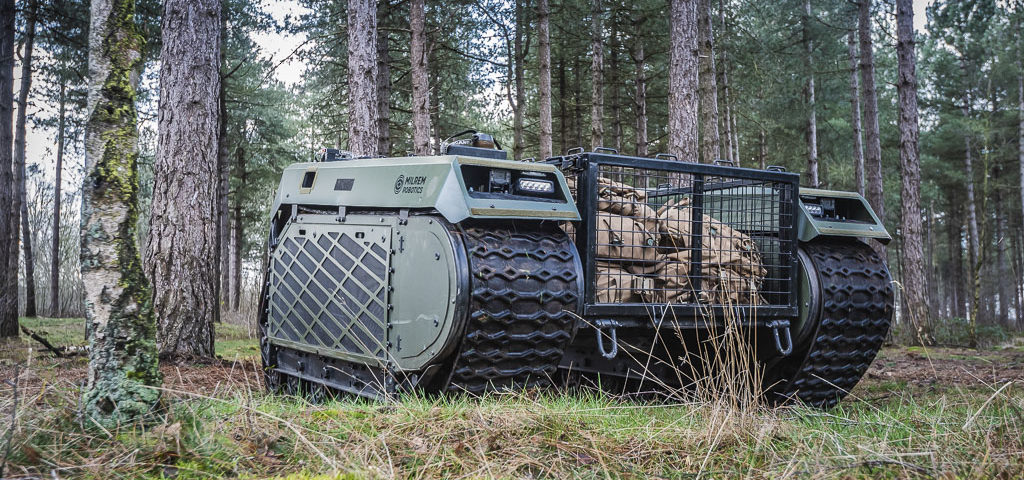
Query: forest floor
918	413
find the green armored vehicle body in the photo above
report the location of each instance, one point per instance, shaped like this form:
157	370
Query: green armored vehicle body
467	272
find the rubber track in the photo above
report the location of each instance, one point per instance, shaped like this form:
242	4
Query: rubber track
524	286
857	307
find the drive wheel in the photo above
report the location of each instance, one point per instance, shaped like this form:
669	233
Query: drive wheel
846	311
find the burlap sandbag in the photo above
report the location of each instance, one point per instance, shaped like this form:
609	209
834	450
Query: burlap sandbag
616	285
625	239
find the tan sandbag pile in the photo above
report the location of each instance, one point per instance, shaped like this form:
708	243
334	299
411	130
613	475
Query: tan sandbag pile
732	271
643	255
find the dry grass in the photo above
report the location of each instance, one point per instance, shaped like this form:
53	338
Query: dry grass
239	431
217	422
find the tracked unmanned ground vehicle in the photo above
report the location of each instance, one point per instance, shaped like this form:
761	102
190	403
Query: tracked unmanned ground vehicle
467	272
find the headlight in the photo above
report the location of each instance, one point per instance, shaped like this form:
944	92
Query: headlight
814	209
532	185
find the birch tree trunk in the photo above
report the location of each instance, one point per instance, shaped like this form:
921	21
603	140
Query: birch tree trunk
363	129
8	227
182	251
420	85
710	146
544	72
596	77
872	145
19	158
55	310
122	332
682	97
858	136
915	283
812	119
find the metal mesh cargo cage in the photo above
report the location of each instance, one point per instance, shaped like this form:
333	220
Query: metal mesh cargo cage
683	238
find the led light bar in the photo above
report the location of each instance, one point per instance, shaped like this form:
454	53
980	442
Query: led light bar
530	185
814	209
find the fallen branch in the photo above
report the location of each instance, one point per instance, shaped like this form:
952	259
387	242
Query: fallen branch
41	339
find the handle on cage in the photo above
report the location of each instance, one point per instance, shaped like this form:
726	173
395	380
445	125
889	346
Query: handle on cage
666	156
725	162
606	150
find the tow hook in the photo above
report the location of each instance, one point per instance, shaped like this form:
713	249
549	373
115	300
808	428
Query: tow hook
611	325
783	325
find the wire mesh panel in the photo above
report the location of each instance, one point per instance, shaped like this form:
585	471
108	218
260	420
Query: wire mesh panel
660	232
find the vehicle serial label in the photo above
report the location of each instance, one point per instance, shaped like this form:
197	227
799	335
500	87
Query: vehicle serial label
410	184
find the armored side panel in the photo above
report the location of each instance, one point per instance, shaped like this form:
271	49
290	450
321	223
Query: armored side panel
380	291
457	187
828	213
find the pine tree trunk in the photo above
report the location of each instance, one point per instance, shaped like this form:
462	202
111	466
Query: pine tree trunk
182	248
710	146
812	118
19	158
519	59
383	83
1000	265
563	114
55	310
8	228
613	85
1020	108
726	106
363	129
858	136
872	140
544	74
682	97
122	330
596	77
577	95
762	148
640	100
223	192
239	233
419	59
915	283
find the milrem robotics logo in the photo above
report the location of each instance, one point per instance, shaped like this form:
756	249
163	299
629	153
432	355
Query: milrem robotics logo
411	184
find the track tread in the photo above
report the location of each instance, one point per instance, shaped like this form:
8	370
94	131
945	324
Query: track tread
856	312
524	286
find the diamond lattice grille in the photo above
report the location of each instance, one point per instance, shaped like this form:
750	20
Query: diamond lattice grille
329	290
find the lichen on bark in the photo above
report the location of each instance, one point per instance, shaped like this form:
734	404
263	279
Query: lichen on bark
122	332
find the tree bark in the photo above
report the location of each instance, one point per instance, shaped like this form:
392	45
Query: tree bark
19	158
915	283
223	173
858	136
682	97
640	99
710	146
182	248
613	85
419	59
726	107
122	332
383	84
544	74
1020	107
812	118
596	77
239	232
520	45
872	145
577	95
563	114
363	130
8	228
55	310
